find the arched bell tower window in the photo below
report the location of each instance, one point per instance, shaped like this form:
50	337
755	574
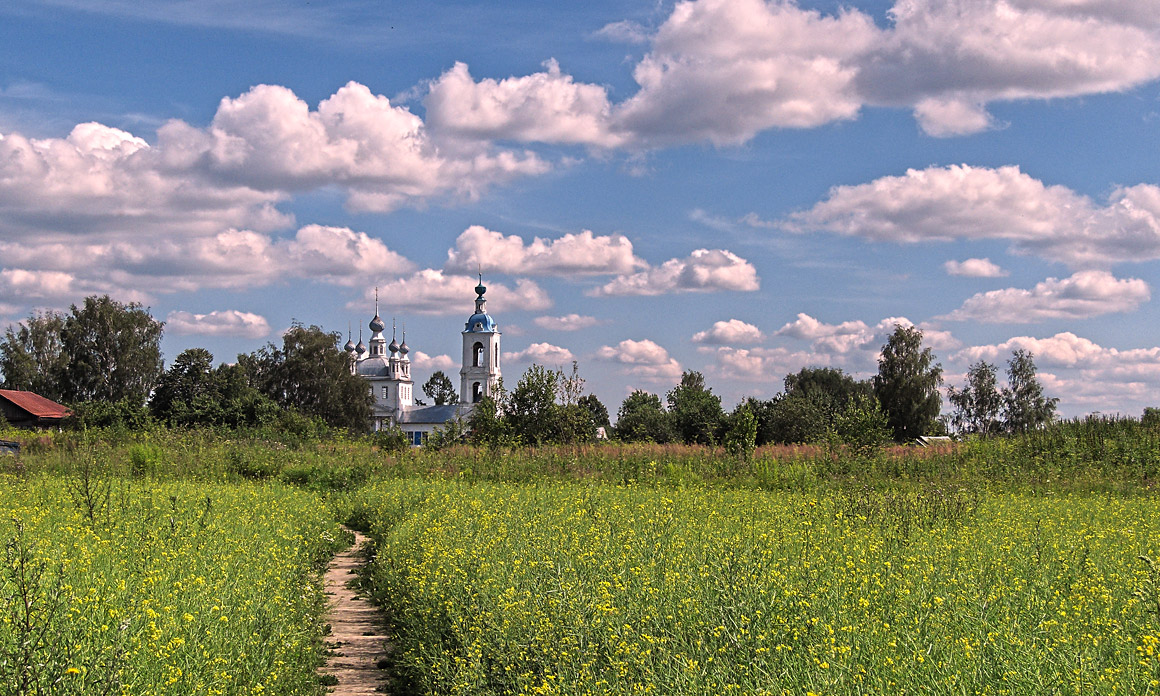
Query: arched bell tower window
476	393
476	354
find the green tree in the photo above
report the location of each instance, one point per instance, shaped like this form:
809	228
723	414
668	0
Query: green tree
440	389
696	410
1151	417
311	374
192	392
827	384
740	436
1024	405
796	418
532	413
188	380
486	424
113	349
574	424
978	404
642	418
597	409
861	424
32	357
907	384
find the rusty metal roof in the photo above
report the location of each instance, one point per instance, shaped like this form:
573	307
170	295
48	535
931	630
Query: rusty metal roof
35	404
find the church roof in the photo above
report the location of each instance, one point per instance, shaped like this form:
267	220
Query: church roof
480	323
372	367
434	414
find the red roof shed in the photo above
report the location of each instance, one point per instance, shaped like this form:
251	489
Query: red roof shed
26	409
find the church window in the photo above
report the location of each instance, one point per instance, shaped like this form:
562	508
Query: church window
496	360
477	354
476	393
386	393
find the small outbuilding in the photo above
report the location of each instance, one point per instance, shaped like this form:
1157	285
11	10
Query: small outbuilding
25	409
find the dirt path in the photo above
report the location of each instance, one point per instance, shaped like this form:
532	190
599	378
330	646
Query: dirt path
357	632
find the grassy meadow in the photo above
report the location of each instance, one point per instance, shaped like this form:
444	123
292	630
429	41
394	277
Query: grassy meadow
188	563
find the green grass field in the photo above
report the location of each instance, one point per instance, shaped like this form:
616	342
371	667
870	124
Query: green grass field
160	588
574	589
188	563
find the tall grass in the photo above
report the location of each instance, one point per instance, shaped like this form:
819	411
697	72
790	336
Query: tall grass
567	588
111	586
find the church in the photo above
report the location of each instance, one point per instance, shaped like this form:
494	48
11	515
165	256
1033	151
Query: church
387	370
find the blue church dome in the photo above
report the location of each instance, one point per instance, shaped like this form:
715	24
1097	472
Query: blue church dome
480	323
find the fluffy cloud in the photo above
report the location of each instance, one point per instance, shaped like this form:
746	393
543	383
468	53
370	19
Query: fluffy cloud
974	268
542	354
854	345
1084	294
760	364
642	358
838	339
429	291
432	362
381	153
229	322
724	70
568	322
229	259
546	107
571	254
732	332
705	270
105	181
964	202
199	207
340	255
949	59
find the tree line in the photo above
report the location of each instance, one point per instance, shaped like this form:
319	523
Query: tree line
103	358
819	404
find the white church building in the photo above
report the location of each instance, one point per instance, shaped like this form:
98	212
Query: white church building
387	369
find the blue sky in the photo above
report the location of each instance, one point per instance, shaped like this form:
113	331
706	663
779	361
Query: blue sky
734	186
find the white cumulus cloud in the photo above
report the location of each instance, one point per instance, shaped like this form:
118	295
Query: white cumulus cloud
971	203
432	362
729	333
571	254
542	354
974	268
228	322
724	70
1085	375
644	358
430	291
1085	294
547	107
705	270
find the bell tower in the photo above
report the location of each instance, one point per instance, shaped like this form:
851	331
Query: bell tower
480	373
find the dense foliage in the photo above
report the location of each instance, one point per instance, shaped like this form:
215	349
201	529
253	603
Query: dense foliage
311	374
102	351
907	385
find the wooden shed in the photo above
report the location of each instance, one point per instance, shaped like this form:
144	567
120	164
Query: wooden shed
26	409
